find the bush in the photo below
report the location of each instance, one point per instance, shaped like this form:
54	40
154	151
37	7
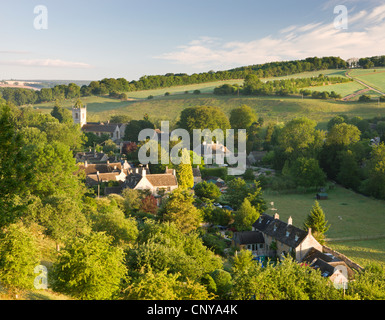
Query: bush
18	256
364	98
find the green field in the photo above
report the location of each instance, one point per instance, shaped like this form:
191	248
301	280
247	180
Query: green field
351	216
373	77
272	109
344	89
329	72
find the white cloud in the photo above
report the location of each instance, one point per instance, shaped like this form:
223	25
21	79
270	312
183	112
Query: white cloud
49	63
365	37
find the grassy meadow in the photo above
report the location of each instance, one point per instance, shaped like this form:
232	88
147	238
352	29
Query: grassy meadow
373	77
272	109
351	216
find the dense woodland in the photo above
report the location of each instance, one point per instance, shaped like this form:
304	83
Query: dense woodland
117	88
125	247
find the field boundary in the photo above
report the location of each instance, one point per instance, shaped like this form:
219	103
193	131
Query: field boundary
358	238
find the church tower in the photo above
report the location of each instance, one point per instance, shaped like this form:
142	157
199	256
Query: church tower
79	114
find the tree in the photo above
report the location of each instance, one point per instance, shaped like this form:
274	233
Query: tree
165	286
364	98
242	117
317	223
203	117
149	204
245	216
15	171
349	174
251	83
62	218
89	268
218	216
207	191
109	146
343	134
132	200
335	120
134	127
162	246
223	282
297	135
305	172
121	118
179	209
110	219
238	190
184	172
62	114
375	184
19	255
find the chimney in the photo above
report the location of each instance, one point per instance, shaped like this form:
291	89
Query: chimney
309	232
144	172
97	172
290	221
108	162
276	216
85	164
174	172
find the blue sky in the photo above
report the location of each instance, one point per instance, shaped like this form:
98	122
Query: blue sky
91	40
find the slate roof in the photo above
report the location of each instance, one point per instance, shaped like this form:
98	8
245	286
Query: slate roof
95	179
279	230
90	156
325	262
101	167
248	237
98	127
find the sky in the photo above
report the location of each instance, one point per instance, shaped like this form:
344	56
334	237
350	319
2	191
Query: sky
92	40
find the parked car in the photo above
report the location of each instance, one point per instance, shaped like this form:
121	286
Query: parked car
228	208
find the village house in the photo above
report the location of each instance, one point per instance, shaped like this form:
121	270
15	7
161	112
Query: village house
211	151
142	179
91	157
270	238
114	130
